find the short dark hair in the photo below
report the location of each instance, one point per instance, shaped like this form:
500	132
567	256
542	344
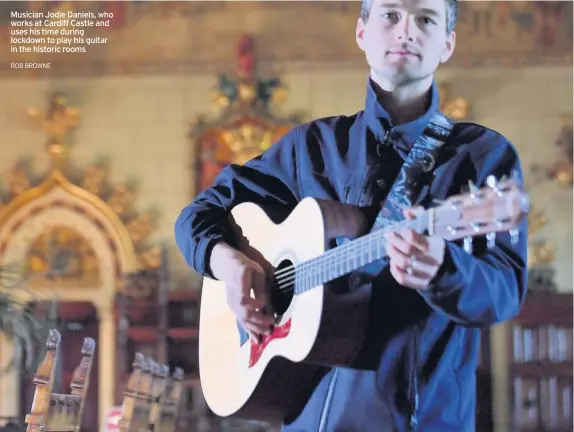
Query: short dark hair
451	12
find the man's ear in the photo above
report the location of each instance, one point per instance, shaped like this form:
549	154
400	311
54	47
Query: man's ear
359	33
449	47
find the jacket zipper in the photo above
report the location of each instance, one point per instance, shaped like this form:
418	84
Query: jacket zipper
327	404
414	381
346	194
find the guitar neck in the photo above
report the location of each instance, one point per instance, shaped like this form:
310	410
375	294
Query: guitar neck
353	255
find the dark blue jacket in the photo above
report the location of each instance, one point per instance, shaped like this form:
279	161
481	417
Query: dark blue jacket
422	349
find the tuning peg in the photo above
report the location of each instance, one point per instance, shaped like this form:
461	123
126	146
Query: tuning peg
493	184
473	189
467	244
514	236
490	240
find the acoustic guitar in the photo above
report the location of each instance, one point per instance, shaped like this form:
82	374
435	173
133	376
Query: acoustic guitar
316	326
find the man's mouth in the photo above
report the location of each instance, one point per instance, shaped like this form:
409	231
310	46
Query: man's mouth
402	53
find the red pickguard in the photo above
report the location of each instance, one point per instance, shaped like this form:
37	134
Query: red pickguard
277	333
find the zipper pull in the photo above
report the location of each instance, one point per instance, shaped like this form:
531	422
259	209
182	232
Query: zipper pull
346	194
386	137
384	143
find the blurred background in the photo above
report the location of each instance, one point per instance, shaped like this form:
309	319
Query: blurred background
100	152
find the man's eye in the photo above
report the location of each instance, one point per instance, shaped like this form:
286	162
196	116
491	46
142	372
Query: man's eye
393	16
426	21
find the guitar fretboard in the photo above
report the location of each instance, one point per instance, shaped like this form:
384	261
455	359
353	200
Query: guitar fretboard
346	258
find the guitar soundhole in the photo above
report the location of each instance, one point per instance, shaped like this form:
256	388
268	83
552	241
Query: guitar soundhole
282	292
284	287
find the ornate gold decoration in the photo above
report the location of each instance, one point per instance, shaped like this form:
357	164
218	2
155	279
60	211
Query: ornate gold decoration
540	252
17	181
456	108
140	227
122	200
95	179
247	141
245	90
245	126
66	257
57	122
150	258
563	171
115	202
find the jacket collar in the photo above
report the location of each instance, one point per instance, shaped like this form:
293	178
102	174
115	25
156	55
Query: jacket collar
404	135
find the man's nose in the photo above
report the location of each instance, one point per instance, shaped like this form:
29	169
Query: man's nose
404	30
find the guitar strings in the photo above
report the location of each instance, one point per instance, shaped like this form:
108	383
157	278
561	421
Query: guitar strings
285	278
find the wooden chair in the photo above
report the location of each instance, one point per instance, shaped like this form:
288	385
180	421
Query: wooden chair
137	396
140	418
53	412
170	405
130	393
158	396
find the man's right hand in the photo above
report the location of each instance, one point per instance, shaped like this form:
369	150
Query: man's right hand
246	286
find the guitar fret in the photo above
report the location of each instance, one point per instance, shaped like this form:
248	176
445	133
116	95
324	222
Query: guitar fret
349	257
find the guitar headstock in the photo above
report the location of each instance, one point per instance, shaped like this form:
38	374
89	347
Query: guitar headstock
499	207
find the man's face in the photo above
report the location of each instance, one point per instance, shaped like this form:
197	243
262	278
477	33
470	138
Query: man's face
405	40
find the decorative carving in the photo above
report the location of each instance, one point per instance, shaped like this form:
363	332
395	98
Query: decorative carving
456	108
122	200
245	126
150	258
247	141
140	227
562	170
541	255
65	257
63	248
95	178
57	122
246	90
540	252
17	180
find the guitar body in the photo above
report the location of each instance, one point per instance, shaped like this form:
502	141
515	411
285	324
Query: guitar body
318	329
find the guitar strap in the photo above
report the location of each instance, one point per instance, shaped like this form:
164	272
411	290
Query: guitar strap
420	160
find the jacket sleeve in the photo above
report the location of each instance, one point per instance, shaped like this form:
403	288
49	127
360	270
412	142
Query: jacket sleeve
269	180
488	286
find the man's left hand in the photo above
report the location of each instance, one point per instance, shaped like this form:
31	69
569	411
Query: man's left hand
414	258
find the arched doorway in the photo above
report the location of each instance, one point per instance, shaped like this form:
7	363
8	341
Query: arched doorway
59	221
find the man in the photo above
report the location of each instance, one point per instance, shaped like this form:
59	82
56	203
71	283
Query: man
430	298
